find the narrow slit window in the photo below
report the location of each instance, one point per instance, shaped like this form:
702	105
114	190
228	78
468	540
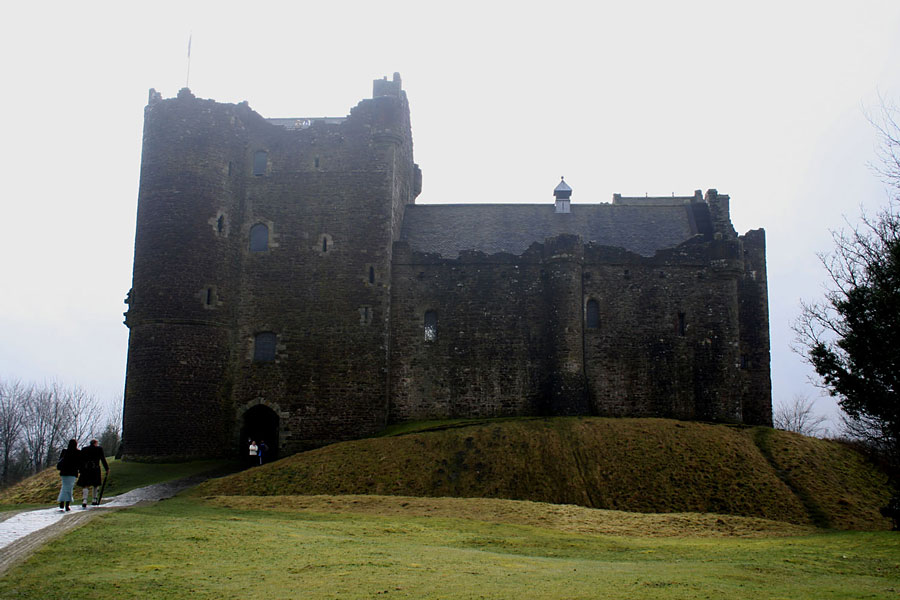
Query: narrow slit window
259	238
264	346
371	274
260	162
220	223
324	244
430	326
593	314
317	162
681	324
209	296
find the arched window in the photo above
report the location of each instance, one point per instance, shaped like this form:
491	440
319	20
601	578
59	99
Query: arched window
260	162
264	346
593	314
259	238
430	326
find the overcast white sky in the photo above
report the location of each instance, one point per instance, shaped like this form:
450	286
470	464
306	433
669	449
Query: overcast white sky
765	101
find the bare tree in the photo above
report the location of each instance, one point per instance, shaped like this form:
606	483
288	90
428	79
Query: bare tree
13	397
45	425
798	416
887	124
85	414
112	431
36	421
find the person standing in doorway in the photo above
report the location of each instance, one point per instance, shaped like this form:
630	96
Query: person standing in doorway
254	453
68	465
92	457
263	451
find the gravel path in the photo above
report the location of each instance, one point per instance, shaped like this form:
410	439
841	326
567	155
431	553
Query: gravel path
25	532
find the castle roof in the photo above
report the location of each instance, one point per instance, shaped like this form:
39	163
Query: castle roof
447	229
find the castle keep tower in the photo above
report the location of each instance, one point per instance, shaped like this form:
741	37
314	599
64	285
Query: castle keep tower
261	295
287	288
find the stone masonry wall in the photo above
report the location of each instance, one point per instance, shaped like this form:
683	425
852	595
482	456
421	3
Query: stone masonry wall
666	344
184	283
489	355
754	315
328	195
512	339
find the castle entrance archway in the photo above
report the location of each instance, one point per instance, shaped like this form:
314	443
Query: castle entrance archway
260	424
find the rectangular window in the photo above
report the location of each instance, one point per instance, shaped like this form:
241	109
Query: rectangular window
593	314
260	162
264	347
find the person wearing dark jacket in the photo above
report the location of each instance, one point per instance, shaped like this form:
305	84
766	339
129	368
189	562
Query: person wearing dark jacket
68	465
91	458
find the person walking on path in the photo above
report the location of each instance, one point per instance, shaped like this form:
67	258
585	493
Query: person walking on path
92	457
68	465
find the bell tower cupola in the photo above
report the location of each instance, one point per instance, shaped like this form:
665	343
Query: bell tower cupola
562	192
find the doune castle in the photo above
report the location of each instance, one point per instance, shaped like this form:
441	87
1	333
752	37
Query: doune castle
287	287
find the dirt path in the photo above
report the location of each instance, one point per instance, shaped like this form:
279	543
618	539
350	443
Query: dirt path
23	533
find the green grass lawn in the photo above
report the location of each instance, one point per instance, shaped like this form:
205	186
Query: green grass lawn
268	548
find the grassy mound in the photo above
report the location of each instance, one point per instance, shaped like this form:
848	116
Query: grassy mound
43	487
557	517
640	465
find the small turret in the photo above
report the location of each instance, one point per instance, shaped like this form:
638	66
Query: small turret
562	192
383	87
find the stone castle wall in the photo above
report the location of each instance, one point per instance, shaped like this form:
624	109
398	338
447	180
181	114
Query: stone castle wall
513	337
682	332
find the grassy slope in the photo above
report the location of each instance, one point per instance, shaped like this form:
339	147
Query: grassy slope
186	548
43	487
645	465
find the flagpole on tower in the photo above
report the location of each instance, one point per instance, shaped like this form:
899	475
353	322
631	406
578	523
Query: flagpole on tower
188	79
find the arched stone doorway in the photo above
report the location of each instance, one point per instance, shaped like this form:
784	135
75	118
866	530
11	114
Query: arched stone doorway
260	424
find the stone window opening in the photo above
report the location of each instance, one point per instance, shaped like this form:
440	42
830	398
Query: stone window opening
593	314
430	326
264	346
260	163
326	244
682	327
317	162
365	315
371	275
259	238
208	297
220	224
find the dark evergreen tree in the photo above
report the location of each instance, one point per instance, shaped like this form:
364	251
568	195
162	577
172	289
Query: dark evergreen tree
852	339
